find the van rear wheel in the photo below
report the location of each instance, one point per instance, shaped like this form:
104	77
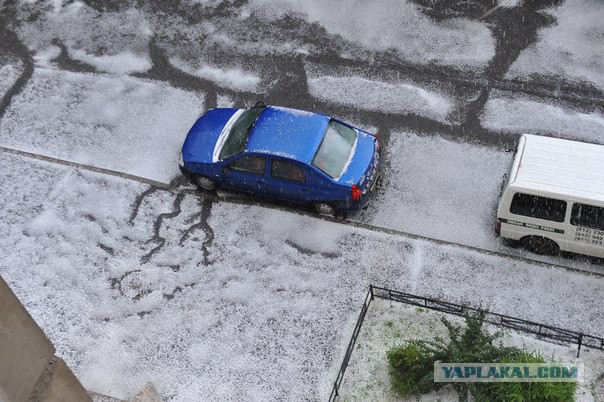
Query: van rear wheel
540	245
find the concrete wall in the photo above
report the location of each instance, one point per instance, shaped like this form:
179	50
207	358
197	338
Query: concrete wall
29	371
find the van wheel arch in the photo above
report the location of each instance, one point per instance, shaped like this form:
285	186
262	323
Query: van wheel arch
540	245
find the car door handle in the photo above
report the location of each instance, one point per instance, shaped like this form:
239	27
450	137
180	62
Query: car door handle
260	181
304	190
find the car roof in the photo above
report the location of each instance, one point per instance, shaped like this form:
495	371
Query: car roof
290	133
570	168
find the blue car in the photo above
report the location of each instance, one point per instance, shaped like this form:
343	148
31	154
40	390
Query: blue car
282	153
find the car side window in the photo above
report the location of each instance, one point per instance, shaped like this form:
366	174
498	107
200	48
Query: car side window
287	170
538	207
250	164
587	216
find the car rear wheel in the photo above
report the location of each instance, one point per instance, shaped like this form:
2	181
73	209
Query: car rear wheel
325	209
205	183
540	245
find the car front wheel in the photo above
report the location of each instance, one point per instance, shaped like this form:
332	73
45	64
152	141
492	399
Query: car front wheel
325	209
205	183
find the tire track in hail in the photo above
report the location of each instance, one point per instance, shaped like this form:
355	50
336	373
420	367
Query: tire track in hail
157	225
513	29
204	216
203	219
10	43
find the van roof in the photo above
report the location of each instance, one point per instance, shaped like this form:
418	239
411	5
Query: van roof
570	168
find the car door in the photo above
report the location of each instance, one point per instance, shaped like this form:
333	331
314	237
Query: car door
245	173
289	180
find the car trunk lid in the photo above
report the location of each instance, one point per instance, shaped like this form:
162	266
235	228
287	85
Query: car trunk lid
363	167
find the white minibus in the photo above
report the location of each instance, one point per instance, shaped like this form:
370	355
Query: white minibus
552	200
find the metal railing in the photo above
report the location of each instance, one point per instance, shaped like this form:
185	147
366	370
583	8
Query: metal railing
353	340
542	331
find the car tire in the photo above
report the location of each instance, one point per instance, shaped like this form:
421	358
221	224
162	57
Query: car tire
540	245
324	208
204	183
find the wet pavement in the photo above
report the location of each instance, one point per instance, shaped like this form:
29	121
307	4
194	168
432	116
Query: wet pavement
283	73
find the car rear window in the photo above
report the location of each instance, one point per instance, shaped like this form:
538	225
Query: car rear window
334	151
237	138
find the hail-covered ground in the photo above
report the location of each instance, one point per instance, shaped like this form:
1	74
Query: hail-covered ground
214	299
390	324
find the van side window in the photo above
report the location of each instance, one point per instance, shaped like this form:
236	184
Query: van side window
538	207
587	216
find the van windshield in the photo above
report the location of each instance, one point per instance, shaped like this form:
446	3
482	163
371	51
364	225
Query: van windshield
334	151
506	179
507	176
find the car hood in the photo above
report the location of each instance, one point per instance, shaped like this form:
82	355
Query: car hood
364	164
199	144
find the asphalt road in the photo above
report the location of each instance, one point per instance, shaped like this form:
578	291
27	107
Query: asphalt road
283	74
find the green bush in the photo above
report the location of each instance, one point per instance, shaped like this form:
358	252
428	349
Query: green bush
412	366
526	391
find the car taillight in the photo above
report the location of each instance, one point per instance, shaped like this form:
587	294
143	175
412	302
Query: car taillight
498	227
377	143
356	193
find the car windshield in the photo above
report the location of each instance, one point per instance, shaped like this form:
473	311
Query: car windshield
334	151
237	138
